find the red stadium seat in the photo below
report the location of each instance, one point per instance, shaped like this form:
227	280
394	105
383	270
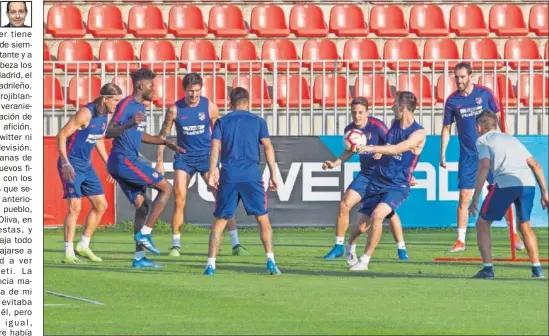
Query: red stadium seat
65	21
186	21
348	21
362	50
217	84
388	21
307	21
419	86
165	88
288	90
158	54
195	51
479	49
467	20
53	93
83	89
268	21
539	17
75	51
427	20
227	21
48	67
106	21
376	89
120	52
445	89
499	85
125	83
146	21
320	50
540	94
522	49
324	91
254	85
402	49
507	20
239	50
440	50
280	51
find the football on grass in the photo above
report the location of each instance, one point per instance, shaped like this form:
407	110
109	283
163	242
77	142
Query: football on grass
354	138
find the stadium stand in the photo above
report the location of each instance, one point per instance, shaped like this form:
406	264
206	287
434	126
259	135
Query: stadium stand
301	59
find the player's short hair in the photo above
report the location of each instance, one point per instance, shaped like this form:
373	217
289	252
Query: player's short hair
142	74
9	3
464	65
192	79
407	99
487	119
239	95
360	101
108	90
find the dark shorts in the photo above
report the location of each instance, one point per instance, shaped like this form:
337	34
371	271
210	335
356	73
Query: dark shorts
85	184
133	176
392	197
467	172
192	165
359	184
252	194
498	200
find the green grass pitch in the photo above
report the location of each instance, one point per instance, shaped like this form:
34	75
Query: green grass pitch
311	297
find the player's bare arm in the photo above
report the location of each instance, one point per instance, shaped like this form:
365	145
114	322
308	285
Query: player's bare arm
80	120
482	175
157	140
167	125
213	178
102	150
213	110
414	143
271	163
540	178
444	139
115	128
344	157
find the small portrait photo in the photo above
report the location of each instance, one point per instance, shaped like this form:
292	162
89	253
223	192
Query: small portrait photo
15	14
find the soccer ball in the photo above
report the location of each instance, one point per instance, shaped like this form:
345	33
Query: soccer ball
354	138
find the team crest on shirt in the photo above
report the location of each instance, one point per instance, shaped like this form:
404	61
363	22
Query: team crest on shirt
71	190
479	100
201	116
155	175
103	126
369	136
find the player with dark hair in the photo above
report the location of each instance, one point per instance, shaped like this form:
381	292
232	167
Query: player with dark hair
512	166
235	143
17	13
462	106
390	181
75	142
376	133
193	117
127	127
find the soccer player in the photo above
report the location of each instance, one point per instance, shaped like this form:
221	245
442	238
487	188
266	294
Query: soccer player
236	140
75	142
376	133
462	106
127	127
193	117
390	181
512	166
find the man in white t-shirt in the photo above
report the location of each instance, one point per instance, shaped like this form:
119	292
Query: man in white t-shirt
512	166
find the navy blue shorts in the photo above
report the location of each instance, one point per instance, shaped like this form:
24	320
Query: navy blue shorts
498	200
467	172
133	176
392	197
359	184
252	194
192	165
85	184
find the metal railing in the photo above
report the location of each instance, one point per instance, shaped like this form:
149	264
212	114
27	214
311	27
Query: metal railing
288	113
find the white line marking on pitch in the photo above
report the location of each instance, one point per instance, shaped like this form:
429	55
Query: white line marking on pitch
74	298
55	304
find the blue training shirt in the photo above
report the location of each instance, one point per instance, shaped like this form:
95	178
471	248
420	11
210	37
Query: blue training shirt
376	134
463	110
193	127
129	142
240	133
81	143
396	170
